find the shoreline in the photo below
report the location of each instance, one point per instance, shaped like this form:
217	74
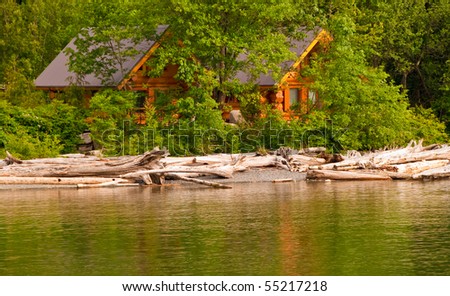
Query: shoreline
413	162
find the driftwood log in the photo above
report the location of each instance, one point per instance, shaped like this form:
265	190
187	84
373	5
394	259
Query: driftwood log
345	176
149	160
198	181
150	168
411	162
435	173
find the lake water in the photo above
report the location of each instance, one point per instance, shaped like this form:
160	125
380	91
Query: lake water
305	228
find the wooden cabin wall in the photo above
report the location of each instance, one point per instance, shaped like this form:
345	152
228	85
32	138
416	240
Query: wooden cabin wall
140	81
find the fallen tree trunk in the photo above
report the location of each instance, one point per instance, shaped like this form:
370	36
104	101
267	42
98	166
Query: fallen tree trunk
417	167
379	160
360	162
342	175
436	173
265	161
303	159
107	184
224	172
202	182
282	180
149	160
63	161
437	154
199	160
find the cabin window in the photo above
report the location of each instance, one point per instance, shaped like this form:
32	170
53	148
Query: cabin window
294	96
312	97
140	100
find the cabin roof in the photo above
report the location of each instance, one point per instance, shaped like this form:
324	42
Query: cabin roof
299	47
57	75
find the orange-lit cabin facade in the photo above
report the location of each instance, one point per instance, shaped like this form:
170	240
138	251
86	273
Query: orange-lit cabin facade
291	91
292	94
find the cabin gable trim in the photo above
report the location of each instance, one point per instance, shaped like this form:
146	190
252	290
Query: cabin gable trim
323	35
142	61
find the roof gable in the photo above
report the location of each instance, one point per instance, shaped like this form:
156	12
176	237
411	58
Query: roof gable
58	76
301	48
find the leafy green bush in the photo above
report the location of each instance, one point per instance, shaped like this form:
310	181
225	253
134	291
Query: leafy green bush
44	131
64	121
189	124
425	125
250	106
25	146
111	120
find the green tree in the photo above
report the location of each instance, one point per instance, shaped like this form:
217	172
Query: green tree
364	107
411	40
230	37
31	35
111	120
111	35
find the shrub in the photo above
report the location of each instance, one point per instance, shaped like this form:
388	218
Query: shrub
26	146
44	131
112	121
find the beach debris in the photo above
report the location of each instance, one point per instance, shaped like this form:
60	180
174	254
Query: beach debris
154	167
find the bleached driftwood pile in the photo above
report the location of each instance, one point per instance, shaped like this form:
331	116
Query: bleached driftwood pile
153	167
150	168
411	162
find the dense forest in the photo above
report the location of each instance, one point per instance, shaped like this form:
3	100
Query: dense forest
384	80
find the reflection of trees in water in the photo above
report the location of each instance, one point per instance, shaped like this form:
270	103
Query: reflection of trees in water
342	228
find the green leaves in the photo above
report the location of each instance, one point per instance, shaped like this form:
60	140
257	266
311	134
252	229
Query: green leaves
360	100
230	37
43	131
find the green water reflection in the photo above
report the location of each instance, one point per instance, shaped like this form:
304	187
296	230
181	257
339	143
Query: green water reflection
365	228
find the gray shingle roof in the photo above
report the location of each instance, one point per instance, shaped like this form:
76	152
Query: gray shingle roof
57	74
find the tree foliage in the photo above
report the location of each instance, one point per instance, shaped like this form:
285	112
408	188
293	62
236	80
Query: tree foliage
47	130
112	31
31	35
410	39
360	100
230	37
385	57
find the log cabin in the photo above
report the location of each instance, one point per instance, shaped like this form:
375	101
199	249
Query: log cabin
291	94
